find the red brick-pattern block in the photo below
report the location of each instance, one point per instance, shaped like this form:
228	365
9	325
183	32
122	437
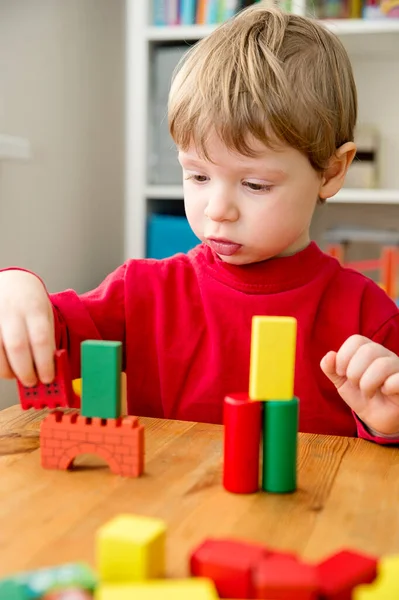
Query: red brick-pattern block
120	442
59	393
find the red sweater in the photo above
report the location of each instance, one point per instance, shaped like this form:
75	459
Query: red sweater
186	324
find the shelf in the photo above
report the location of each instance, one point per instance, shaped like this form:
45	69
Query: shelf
345	196
348	196
338	26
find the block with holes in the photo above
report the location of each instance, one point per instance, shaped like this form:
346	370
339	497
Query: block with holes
131	548
58	394
120	442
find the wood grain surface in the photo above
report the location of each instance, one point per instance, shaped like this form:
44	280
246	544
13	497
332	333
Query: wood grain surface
348	497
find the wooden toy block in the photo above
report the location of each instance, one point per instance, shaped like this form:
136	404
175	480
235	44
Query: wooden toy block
285	578
386	584
77	388
272	362
280	442
229	564
242	432
131	548
101	379
168	589
35	584
58	394
120	442
340	573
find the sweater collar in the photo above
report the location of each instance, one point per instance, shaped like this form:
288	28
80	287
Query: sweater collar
270	276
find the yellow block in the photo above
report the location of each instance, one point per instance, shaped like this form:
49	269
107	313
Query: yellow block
385	586
77	388
272	363
196	588
131	548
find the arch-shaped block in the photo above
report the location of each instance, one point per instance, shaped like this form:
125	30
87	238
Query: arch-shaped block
120	442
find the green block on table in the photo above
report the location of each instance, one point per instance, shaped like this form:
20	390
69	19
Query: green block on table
10	590
30	585
101	379
280	441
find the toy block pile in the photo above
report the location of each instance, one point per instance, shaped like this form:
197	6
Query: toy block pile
98	427
130	561
270	408
244	570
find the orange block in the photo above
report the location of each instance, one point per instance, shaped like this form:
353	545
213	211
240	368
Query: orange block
120	442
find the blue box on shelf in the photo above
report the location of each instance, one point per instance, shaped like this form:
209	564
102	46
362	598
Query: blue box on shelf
167	235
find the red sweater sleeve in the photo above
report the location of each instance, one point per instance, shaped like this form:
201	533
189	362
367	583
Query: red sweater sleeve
98	314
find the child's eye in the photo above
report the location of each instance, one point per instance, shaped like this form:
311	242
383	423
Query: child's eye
257	187
197	178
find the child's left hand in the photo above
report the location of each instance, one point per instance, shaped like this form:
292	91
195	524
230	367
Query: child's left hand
366	376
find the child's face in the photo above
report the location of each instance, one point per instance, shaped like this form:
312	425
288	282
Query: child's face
250	209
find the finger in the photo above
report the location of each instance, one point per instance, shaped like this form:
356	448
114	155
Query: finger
5	370
347	350
328	366
17	348
391	386
42	343
377	373
363	359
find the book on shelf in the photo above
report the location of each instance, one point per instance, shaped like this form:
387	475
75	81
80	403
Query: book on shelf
214	12
196	12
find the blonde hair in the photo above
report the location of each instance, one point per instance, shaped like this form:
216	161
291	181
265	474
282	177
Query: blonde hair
267	74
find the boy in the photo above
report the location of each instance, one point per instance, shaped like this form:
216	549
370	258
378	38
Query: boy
262	112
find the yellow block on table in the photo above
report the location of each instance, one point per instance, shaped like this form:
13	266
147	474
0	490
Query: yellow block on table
272	362
131	548
196	588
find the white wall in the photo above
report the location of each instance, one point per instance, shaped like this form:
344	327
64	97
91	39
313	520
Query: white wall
62	87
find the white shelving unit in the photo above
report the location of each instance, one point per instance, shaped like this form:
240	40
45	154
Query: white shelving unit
374	50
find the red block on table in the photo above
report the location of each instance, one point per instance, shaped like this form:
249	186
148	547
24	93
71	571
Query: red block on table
229	563
340	573
242	419
58	394
285	578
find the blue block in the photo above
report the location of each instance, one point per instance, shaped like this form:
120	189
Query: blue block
167	235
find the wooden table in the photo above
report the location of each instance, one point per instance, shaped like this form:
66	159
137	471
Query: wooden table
348	496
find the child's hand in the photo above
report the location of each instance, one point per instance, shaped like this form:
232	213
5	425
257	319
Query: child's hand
26	329
366	376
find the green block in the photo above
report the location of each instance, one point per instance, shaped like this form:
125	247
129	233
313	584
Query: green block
280	441
101	379
30	585
10	590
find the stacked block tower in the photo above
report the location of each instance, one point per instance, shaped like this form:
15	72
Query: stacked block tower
270	408
99	427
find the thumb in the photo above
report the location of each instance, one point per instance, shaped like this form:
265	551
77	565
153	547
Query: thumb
328	366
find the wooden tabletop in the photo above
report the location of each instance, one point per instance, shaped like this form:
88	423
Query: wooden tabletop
348	496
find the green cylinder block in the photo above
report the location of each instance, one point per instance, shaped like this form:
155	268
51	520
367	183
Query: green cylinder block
280	435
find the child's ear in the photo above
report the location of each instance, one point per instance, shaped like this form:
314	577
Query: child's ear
334	175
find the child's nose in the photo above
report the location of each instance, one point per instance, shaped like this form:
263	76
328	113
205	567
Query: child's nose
221	206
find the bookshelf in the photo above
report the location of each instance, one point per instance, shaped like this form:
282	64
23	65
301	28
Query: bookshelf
373	46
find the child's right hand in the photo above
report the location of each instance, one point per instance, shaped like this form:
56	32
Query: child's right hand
27	342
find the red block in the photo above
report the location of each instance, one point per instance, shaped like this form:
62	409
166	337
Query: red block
242	419
58	394
340	573
285	578
229	563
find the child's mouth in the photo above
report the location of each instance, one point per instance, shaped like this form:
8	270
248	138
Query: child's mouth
224	247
